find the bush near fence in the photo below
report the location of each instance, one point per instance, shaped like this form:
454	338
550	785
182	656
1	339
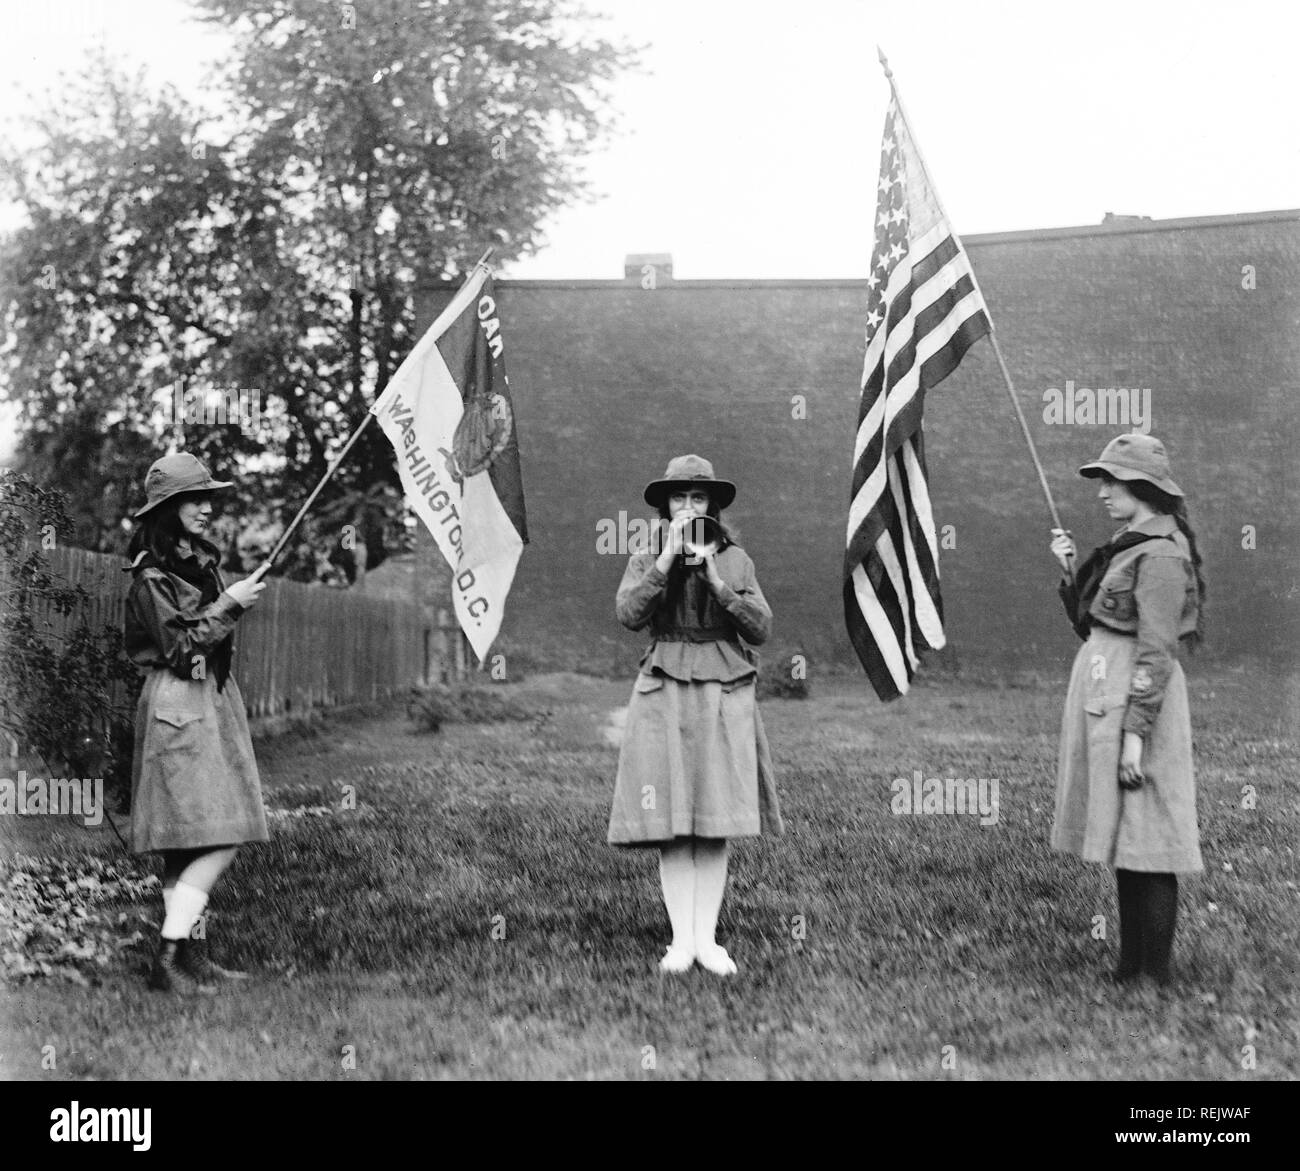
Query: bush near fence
300	647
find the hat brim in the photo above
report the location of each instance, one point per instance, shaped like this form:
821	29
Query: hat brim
1098	468
723	491
210	486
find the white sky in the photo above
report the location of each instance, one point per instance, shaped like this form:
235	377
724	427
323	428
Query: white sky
750	146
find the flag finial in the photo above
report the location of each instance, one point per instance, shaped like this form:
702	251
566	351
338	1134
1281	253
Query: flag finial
884	64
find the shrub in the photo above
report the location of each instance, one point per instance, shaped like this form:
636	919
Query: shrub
784	674
431	707
69	696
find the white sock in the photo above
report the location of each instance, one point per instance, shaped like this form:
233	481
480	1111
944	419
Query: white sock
677	874
186	906
710	882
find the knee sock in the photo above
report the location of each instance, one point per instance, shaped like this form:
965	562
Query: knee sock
710	883
1129	887
1160	915
186	906
206	866
677	874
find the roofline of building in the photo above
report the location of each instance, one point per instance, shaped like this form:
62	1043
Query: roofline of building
1120	227
979	240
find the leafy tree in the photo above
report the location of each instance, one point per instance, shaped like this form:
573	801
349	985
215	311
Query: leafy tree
363	149
109	290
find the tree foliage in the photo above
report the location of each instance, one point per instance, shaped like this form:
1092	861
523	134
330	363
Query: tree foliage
360	150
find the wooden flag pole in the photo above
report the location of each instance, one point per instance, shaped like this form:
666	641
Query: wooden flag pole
262	569
1024	426
993	336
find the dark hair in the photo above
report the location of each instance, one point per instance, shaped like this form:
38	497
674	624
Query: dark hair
158	532
1161	501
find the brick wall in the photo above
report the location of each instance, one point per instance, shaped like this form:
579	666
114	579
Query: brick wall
610	380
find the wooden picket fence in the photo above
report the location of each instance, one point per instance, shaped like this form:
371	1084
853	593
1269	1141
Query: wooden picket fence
300	647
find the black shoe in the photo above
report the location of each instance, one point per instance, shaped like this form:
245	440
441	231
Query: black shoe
168	976
195	959
1125	974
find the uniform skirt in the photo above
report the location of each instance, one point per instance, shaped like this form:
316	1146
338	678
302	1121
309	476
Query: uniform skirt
1151	828
694	763
194	781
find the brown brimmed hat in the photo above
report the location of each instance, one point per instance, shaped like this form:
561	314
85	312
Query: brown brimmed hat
690	471
1134	457
174	474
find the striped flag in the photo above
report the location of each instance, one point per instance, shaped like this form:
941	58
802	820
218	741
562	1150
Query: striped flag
448	414
923	313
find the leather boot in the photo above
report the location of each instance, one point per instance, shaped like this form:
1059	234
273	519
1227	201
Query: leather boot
195	959
168	976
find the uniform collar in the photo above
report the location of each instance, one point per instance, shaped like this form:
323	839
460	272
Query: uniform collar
200	557
1160	525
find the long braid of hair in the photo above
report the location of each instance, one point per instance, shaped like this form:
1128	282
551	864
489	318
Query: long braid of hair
1176	506
1184	526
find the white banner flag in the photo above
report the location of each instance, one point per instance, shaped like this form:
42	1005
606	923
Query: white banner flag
448	414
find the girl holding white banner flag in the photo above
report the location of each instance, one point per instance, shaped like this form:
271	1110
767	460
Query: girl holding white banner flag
694	769
196	794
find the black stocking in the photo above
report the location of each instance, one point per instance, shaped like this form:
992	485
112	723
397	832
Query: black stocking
1159	916
1129	886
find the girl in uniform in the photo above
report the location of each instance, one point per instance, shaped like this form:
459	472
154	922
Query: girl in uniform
694	769
1126	793
195	790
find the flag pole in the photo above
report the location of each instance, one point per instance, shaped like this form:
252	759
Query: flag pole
262	569
993	336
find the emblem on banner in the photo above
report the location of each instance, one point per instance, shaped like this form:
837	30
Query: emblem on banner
482	434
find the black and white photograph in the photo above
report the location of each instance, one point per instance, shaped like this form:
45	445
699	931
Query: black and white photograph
606	541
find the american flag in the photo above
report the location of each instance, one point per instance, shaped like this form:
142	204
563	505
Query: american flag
923	313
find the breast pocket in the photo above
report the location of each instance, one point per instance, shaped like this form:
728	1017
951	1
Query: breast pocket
1115	598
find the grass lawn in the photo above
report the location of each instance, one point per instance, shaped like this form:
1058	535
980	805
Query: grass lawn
466	919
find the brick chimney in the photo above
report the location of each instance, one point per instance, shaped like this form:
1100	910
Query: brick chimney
650	270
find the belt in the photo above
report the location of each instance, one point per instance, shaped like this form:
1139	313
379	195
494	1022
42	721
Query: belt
696	634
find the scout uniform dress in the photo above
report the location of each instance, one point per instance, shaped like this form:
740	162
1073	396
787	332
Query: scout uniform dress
194	781
1127	678
695	760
